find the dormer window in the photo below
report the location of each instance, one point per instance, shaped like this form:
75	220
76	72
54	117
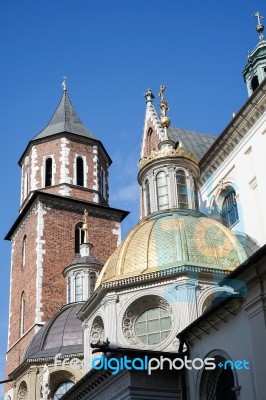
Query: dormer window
80	171
48	172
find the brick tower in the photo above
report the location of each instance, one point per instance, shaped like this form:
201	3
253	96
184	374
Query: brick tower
64	171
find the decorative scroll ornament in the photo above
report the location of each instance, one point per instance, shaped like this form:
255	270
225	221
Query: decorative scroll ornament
167	152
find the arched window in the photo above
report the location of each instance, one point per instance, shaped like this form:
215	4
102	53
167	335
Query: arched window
62	389
22	314
162	191
48	172
80	171
254	83
182	191
229	209
79	236
78	287
147	196
218	384
92	282
24	252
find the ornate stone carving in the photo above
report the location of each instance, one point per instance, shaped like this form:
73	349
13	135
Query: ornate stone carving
46	383
167	152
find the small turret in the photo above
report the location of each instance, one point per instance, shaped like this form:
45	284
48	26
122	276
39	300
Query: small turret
82	272
167	172
255	70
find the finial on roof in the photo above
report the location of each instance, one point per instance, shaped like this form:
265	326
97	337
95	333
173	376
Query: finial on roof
259	27
85	227
165	121
149	96
64	83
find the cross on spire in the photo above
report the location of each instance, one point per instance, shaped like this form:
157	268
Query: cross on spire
258	16
64	83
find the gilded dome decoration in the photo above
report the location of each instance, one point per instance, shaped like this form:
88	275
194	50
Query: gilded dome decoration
170	239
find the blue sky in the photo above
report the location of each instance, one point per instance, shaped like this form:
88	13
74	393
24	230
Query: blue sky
112	51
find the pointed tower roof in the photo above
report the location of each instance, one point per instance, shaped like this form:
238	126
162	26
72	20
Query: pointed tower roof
65	119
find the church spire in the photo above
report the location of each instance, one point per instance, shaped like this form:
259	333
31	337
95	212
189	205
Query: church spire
255	70
260	27
65	119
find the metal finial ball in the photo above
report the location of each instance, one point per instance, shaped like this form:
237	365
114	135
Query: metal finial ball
165	122
260	28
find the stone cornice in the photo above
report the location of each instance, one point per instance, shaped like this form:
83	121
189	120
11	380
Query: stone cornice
235	131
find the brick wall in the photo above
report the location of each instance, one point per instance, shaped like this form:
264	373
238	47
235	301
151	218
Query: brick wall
53	225
63	150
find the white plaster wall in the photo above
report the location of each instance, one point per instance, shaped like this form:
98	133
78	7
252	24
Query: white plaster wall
245	168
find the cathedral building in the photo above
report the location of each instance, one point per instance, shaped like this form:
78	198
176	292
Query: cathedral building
187	280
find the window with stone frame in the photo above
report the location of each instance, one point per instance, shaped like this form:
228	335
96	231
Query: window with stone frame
48	172
229	208
79	171
147	197
182	189
79	286
92	282
79	236
162	191
22	314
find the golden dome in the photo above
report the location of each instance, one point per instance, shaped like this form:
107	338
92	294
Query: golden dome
170	239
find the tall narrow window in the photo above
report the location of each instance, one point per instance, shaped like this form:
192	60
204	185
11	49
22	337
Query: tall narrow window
48	172
69	290
254	83
80	171
79	236
147	196
78	287
103	183
26	183
92	282
162	191
229	209
182	192
22	314
24	252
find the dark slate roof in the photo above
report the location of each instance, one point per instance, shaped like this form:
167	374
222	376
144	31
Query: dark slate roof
195	142
88	260
61	334
249	244
65	119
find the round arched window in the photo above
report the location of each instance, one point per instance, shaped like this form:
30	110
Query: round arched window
147	321
153	326
62	389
